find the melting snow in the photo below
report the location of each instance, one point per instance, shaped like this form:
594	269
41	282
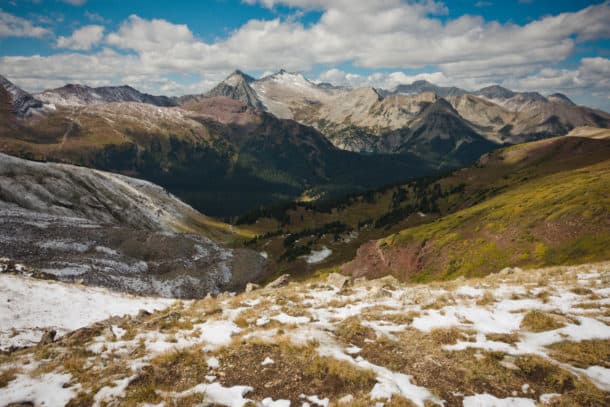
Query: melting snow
31	306
317	256
49	389
487	400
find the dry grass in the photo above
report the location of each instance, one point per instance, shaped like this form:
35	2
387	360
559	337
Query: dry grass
7	376
583	354
352	331
538	321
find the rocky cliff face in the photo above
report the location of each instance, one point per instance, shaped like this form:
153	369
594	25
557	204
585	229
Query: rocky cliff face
16	101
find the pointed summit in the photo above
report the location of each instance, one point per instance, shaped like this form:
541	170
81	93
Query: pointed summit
237	86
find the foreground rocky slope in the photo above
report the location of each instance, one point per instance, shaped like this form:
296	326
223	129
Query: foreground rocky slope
78	224
518	338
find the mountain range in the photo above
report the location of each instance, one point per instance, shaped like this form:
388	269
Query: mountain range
280	137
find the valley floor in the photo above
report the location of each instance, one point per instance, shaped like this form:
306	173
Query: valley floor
514	338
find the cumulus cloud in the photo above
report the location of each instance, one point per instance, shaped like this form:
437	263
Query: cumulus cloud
592	73
382	80
83	38
13	26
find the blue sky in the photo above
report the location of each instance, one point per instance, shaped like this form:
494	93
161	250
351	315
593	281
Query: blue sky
187	47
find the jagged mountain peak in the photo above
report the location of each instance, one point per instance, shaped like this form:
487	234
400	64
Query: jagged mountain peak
237	86
237	76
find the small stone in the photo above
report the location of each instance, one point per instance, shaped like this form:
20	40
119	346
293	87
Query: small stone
339	280
251	287
389	282
279	282
143	313
47	337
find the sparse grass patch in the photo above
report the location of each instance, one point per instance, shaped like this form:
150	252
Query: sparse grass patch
340	372
583	354
178	370
446	336
487	298
296	370
8	376
581	291
441	301
511	338
538	321
352	331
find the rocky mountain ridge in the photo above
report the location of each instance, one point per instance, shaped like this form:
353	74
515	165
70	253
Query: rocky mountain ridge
78	95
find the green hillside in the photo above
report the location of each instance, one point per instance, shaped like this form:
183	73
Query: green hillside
293	230
560	218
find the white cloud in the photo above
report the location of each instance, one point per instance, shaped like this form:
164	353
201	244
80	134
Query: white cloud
592	74
380	79
13	26
83	38
386	34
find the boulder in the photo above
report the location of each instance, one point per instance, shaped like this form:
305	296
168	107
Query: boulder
279	282
339	280
251	287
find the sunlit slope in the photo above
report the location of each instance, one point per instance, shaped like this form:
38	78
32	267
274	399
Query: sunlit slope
561	218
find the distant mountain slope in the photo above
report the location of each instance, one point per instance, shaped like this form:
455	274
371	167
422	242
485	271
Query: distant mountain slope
209	153
377	120
15	102
440	132
554	209
72	95
294	230
79	224
425	86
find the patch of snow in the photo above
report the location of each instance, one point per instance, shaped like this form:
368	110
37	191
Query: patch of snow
267	361
269	402
600	376
547	398
107	393
118	331
31	306
317	256
215	393
288	319
217	333
49	389
316	401
213	363
487	400
468	291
